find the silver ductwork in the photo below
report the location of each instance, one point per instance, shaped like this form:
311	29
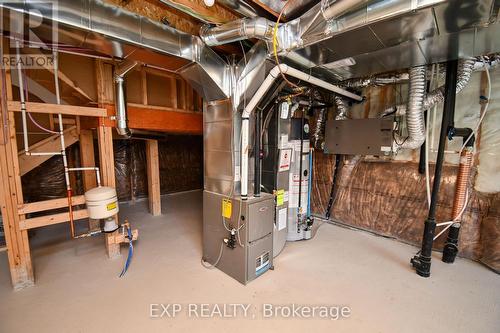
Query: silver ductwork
333	9
241	29
97	28
415	114
121	97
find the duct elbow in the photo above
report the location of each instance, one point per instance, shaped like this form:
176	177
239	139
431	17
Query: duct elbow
245	28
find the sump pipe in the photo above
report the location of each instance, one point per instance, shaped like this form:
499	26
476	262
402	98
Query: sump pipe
252	104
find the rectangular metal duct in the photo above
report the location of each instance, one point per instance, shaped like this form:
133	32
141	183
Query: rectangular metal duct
94	27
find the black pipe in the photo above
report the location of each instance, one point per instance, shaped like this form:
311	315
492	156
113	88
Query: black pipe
257	154
422	262
421	161
333	191
302	122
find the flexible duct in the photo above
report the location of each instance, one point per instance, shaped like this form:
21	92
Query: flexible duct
342	107
245	28
319	129
121	97
414	115
436	96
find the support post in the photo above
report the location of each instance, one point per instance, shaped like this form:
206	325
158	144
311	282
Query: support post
104	77
153	177
107	167
11	194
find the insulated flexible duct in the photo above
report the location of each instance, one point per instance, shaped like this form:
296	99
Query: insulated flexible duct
319	129
465	69
245	28
414	115
342	108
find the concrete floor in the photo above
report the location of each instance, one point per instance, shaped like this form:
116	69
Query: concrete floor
78	289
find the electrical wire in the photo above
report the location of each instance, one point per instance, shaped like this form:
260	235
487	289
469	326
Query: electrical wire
275	48
209	266
455	220
26	89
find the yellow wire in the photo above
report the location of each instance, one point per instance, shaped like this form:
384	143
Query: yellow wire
275	49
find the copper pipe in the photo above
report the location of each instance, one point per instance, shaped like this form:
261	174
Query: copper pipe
463	175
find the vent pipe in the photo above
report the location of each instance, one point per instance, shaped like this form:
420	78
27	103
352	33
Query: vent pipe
121	97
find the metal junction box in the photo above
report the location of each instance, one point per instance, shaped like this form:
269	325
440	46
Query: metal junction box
359	136
255	216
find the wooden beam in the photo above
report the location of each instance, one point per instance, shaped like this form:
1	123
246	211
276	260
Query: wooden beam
50	144
164	120
153	165
43	221
11	194
40	206
55	109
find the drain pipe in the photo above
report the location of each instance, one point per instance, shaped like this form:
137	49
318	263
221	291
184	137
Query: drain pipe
121	71
252	104
422	261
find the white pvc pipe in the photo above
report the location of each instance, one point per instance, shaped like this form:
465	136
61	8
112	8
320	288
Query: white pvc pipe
96	169
271	77
22	98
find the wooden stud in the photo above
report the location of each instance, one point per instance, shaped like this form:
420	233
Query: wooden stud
173	92
40	206
42	221
50	144
11	196
58	108
87	159
144	87
153	167
107	166
104	76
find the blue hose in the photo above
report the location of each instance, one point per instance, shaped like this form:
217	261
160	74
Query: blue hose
130	252
309	183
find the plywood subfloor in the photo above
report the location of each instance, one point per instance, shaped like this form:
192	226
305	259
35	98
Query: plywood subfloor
78	289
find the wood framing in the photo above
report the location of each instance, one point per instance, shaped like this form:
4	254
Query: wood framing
87	159
40	206
58	108
11	195
42	221
50	144
153	168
